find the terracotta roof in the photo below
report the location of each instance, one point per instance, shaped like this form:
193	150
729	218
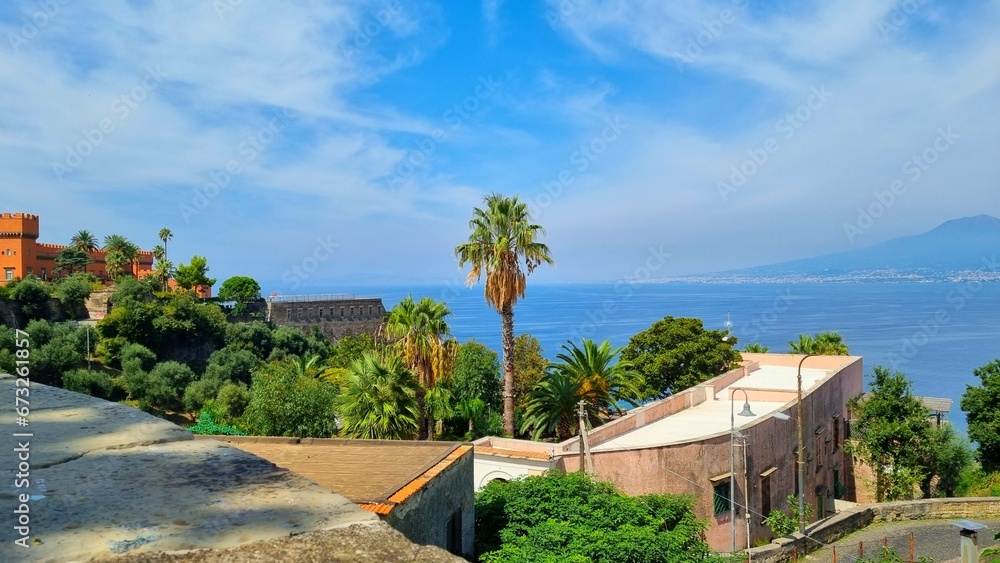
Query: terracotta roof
375	474
502	452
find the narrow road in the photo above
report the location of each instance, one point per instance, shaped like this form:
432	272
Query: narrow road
934	539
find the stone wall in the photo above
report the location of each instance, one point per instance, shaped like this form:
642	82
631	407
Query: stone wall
334	317
853	519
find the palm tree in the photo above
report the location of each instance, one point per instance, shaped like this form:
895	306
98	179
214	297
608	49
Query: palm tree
378	400
756	348
503	245
164	270
421	334
165	235
114	263
823	344
159	252
603	383
84	241
128	251
553	404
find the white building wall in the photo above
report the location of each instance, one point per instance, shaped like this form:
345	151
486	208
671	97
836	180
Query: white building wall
488	468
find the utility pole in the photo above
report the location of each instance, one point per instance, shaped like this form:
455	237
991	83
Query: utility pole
584	441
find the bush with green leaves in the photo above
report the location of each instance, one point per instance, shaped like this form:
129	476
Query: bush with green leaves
94	383
232	401
200	391
231	364
33	297
782	524
255	337
284	403
477	376
136	358
72	292
559	517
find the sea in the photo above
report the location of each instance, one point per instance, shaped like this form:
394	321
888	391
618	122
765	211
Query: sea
936	333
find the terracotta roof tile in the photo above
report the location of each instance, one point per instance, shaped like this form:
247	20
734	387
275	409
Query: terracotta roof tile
502	452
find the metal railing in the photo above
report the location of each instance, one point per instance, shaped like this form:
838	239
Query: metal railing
318	297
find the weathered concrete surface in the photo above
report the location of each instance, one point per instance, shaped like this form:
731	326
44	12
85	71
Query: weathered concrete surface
106	479
376	542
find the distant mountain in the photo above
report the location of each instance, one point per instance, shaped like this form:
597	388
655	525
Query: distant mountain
966	248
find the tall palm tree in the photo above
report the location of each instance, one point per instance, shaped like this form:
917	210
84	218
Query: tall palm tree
421	335
165	235
378	400
84	241
503	245
603	383
163	271
128	251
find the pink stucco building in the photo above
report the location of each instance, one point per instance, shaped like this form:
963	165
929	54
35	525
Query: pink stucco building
682	444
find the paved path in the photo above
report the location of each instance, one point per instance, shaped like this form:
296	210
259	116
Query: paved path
936	539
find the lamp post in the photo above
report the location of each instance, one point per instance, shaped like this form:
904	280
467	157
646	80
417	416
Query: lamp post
802	453
732	459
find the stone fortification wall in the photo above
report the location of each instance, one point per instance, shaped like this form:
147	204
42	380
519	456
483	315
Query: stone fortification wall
336	315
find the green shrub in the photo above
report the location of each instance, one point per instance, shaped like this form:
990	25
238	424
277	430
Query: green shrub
50	361
33	297
255	337
136	358
110	350
283	403
94	383
200	391
231	364
206	425
233	399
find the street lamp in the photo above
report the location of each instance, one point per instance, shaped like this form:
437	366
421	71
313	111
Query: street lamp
802	454
732	459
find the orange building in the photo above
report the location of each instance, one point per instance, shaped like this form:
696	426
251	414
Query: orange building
21	254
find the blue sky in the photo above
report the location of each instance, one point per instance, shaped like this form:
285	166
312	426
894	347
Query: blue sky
351	140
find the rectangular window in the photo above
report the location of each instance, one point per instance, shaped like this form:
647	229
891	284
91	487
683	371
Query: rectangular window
299	314
44	275
352	310
836	433
454	533
310	313
838	487
321	313
369	310
341	312
720	498
288	313
818	452
8	274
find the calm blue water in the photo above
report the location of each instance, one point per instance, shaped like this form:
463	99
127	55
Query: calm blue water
936	333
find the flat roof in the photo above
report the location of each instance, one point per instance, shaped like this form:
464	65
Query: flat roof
368	472
712	416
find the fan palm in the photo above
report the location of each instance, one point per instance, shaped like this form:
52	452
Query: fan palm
84	241
115	262
127	249
420	331
603	383
805	345
503	245
378	400
165	235
824	344
756	348
552	406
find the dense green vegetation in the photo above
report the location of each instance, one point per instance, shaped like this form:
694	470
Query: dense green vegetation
559	517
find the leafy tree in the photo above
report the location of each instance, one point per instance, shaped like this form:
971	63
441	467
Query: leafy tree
94	383
559	517
70	259
890	429
379	399
477	375
84	241
421	335
32	296
677	353
529	367
945	459
981	404
824	344
194	274
348	349
242	290
72	292
50	361
283	403
178	375
231	364
137	358
503	245
289	341
254	337
755	348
